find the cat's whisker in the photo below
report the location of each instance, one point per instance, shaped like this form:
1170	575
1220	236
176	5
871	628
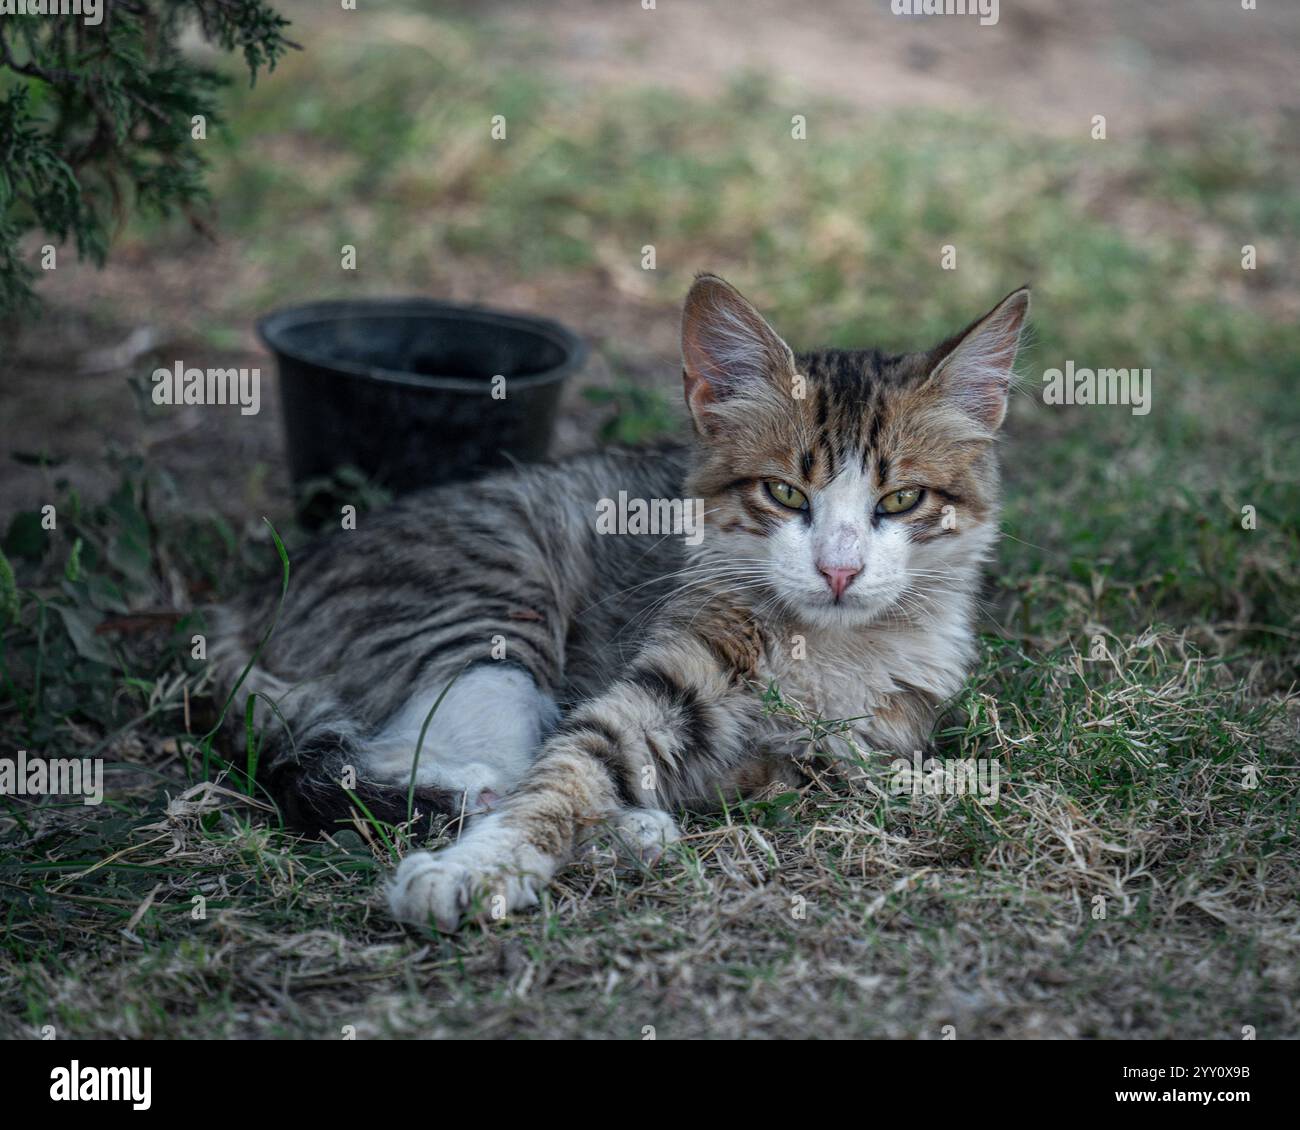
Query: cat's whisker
652	609
674	533
686	571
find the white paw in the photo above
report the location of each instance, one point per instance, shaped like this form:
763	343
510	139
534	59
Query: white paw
484	875
642	834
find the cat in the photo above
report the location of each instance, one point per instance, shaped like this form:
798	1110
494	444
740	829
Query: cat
587	680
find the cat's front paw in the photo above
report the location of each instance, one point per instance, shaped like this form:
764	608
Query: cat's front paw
643	834
467	879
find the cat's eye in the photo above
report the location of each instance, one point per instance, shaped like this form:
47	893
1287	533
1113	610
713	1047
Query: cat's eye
787	495
899	501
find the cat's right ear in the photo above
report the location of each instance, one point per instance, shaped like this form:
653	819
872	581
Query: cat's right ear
728	349
975	368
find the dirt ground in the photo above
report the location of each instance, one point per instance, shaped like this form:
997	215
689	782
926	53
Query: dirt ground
1048	66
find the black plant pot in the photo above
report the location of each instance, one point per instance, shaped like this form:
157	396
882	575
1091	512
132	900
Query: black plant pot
402	388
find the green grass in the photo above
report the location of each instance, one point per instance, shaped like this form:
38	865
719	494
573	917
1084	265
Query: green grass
1124	776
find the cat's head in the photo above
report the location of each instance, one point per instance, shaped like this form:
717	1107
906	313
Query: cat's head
843	486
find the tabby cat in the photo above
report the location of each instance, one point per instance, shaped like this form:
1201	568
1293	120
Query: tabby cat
595	679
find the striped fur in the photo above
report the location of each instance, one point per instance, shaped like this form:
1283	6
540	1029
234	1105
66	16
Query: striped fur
613	678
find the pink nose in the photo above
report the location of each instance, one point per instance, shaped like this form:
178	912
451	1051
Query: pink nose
838	578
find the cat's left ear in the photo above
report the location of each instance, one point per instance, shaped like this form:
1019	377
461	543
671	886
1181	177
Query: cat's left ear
975	367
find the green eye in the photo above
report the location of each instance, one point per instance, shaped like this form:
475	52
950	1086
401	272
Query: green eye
787	496
899	501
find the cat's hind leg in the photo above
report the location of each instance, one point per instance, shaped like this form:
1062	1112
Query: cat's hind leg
669	732
479	741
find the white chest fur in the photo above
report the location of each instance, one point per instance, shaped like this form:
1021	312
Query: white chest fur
855	675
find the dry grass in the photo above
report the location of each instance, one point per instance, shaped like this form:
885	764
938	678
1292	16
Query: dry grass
841	910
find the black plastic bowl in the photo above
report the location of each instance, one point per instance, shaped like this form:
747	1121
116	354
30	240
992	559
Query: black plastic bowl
402	387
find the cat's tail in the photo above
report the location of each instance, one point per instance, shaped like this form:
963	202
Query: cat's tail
310	759
318	787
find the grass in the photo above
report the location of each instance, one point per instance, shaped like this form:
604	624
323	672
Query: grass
1140	645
